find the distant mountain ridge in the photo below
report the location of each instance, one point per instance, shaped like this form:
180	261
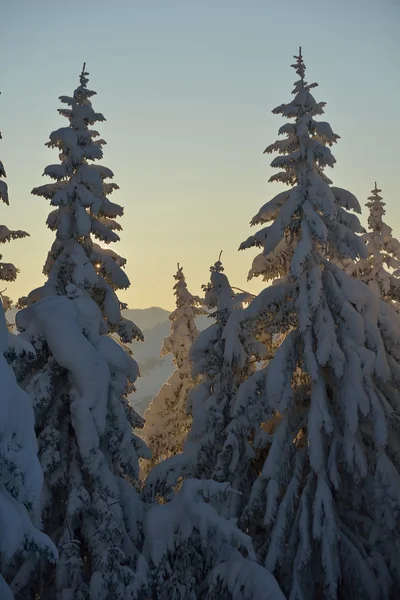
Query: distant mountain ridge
147	318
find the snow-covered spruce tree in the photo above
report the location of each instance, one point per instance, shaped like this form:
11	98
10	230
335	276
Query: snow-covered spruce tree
167	420
20	476
324	511
381	269
82	376
217	444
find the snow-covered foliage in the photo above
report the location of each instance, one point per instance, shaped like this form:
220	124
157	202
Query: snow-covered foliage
20	473
8	272
20	477
324	511
381	269
217	444
194	548
80	381
83	211
167	420
195	554
87	449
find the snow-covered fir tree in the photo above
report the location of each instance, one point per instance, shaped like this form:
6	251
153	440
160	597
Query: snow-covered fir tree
167	420
217	444
81	380
8	272
381	269
324	511
195	550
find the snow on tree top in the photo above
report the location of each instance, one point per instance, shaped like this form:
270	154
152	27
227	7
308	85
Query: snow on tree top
381	269
303	101
83	212
377	212
311	210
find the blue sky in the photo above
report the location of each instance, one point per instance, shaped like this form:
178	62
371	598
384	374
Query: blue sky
187	88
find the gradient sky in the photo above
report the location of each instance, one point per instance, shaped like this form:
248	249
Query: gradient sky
187	88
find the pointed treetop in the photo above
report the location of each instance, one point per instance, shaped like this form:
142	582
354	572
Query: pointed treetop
301	107
299	65
83	77
302	84
183	297
179	276
377	211
375	195
217	267
82	93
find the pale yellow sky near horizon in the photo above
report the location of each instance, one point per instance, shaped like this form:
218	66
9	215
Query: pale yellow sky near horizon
187	121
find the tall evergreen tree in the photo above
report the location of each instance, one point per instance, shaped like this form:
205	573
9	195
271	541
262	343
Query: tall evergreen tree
381	269
82	377
324	511
167	420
